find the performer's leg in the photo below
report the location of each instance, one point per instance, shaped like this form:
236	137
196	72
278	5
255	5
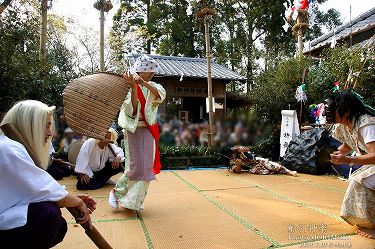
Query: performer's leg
99	179
369	183
45	228
358	208
278	168
55	171
129	194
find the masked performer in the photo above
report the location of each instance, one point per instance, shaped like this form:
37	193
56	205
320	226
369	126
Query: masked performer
242	159
355	130
96	163
141	134
31	199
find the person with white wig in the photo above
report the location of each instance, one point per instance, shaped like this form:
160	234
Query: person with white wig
98	161
141	135
31	199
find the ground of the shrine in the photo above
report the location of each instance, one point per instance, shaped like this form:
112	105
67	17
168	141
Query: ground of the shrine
219	209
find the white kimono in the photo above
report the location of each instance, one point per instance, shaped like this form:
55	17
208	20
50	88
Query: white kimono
22	183
131	193
92	158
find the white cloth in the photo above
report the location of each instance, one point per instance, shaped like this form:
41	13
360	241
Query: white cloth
67	145
366	134
51	150
92	158
145	64
22	183
130	122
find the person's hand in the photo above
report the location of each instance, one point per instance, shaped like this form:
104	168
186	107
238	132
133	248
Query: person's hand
59	161
85	179
116	162
138	79
89	202
129	79
338	157
85	215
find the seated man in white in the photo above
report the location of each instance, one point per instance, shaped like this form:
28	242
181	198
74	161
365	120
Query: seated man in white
96	163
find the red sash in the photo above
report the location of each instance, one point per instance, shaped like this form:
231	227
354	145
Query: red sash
154	129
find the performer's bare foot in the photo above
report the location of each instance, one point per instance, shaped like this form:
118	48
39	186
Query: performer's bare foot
366	232
292	173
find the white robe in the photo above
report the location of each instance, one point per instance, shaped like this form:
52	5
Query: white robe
22	183
92	159
67	145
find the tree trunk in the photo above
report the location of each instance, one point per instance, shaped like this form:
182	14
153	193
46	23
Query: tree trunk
148	20
43	32
4	4
249	67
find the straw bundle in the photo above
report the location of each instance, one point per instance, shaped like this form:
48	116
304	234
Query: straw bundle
92	102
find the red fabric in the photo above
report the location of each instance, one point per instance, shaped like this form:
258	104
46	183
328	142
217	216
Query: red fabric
304	4
154	129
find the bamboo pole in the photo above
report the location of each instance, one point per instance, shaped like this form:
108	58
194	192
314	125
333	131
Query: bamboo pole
101	39
300	35
4	4
209	83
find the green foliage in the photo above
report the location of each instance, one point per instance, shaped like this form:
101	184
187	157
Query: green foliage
323	20
269	148
22	76
275	89
182	157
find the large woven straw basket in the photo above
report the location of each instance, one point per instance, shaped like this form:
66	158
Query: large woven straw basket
93	101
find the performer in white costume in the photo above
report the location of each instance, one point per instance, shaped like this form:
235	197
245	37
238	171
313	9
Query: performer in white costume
141	135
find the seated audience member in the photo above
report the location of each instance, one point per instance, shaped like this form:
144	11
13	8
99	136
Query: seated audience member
166	136
31	199
68	139
64	145
58	168
243	159
96	163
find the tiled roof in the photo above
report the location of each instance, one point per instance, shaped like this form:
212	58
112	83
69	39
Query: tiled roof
191	67
360	24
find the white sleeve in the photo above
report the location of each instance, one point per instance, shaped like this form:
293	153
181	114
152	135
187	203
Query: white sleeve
21	178
118	152
22	183
83	159
368	133
51	149
161	92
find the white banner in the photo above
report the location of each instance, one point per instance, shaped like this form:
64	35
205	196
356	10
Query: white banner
208	106
289	129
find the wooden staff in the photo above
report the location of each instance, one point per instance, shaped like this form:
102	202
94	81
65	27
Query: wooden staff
11	132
